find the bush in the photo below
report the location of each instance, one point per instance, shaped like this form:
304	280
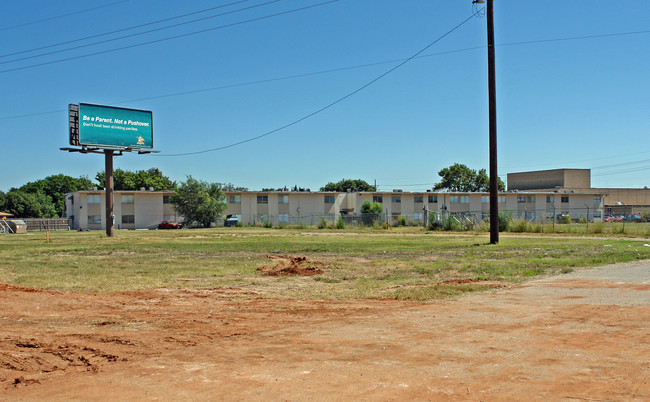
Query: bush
341	223
401	221
267	224
564	219
446	223
505	220
322	224
582	220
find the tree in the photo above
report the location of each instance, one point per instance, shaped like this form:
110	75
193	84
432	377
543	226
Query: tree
28	205
460	178
370	212
347	184
56	187
199	201
130	181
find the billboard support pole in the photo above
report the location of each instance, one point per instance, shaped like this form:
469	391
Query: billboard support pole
108	176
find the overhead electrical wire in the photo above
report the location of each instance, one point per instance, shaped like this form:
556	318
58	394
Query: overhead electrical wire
170	38
61	16
143	32
117	31
322	109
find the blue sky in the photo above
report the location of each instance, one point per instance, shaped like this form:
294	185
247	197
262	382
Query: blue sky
562	102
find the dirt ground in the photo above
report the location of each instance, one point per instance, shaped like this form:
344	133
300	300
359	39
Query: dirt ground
579	336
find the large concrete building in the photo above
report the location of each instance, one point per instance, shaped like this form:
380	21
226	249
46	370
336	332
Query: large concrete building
145	209
618	201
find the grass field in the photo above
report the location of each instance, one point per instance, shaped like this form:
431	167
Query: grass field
403	263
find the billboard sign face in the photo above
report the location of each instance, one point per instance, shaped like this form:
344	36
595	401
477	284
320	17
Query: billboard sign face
113	127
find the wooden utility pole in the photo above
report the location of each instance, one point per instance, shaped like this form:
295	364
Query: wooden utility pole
494	177
108	154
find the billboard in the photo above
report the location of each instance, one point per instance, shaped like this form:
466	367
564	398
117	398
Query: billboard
110	127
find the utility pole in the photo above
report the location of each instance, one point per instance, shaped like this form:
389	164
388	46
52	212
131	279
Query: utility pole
108	185
494	176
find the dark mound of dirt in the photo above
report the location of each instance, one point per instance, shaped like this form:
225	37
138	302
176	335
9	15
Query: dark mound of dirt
288	265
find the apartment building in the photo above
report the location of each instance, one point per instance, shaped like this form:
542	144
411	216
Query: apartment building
146	209
618	201
132	209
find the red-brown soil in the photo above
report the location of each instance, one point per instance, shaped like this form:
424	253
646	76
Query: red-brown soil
581	336
289	266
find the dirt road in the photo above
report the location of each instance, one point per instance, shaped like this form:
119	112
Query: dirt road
579	336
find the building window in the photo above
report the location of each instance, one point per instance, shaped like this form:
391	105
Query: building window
521	199
396	199
453	199
550	199
127	199
597	199
128	219
378	198
94	219
502	199
94	199
565	199
464	199
433	199
283	218
418	199
329	199
262	199
283	199
235	199
262	218
598	214
418	216
485	199
530	199
166	199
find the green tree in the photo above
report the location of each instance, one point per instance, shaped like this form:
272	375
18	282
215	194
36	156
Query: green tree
126	180
348	184
56	187
199	201
460	178
370	212
29	205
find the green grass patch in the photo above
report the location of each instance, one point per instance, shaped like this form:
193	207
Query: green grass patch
400	263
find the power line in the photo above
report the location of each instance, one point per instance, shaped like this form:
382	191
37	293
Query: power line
189	92
140	33
61	16
113	32
169	38
330	104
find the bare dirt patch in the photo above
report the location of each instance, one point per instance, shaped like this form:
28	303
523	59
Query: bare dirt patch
581	336
290	265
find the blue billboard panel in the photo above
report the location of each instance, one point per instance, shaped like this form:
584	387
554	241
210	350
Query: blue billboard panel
114	127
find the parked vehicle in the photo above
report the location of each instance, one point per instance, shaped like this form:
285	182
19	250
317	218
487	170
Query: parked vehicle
633	218
230	221
167	224
607	218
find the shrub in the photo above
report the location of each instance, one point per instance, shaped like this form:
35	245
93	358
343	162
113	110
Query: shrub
505	220
564	219
341	223
267	224
582	219
322	224
401	221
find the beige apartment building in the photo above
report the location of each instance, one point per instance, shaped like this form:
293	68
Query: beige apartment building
132	209
146	209
618	201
